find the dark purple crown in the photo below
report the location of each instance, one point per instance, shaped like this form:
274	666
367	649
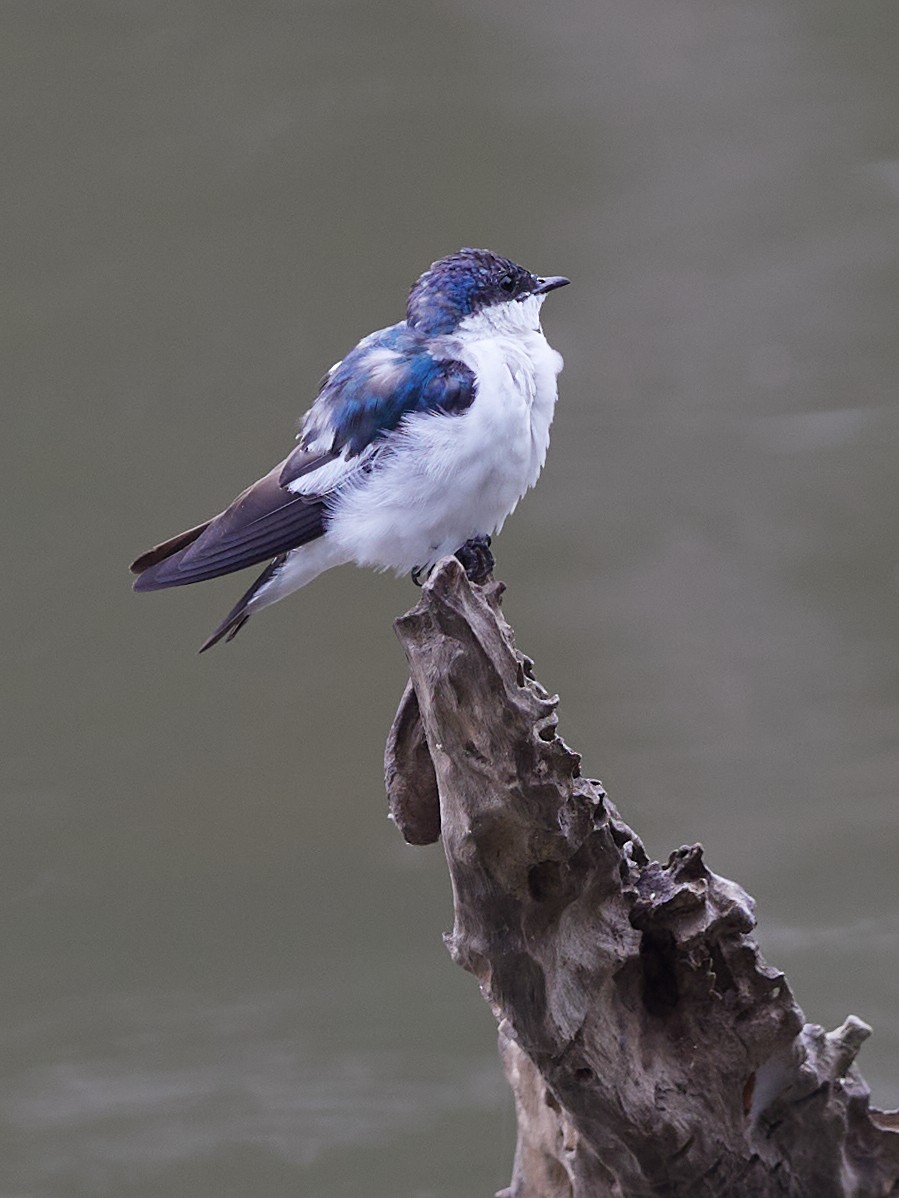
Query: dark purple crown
466	282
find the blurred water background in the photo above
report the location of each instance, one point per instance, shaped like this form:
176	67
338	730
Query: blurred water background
222	970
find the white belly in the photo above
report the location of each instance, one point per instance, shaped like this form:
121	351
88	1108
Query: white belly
444	479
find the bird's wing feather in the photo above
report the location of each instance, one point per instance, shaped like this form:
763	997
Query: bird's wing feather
362	400
262	522
166	548
300	463
389	375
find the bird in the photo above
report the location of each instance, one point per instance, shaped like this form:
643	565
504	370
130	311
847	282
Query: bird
419	444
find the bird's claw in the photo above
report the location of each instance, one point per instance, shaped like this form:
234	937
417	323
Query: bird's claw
477	560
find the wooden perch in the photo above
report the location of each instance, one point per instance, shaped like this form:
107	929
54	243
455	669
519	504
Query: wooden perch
650	1048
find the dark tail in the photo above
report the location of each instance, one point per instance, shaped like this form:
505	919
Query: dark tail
239	613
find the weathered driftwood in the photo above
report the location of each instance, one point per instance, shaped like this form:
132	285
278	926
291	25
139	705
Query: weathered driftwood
650	1048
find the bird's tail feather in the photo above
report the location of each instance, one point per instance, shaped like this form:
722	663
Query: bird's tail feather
285	574
240	612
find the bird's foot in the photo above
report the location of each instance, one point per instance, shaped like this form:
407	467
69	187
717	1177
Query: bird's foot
477	560
420	575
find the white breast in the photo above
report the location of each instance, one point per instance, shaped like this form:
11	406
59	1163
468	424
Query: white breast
441	479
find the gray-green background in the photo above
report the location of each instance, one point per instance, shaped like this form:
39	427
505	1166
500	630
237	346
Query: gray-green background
222	971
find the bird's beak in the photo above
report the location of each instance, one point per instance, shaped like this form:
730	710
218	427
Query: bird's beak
550	284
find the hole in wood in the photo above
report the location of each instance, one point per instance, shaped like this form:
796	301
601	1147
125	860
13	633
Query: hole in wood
658	959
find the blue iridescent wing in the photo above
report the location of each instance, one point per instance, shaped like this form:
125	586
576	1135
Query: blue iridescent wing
362	400
389	375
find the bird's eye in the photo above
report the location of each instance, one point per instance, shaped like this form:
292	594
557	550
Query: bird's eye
507	283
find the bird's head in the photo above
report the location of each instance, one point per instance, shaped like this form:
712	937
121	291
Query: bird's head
471	282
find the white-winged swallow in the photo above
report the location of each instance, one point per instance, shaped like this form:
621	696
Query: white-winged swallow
419	444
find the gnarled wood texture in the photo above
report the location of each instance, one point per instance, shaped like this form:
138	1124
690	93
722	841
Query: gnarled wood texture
651	1049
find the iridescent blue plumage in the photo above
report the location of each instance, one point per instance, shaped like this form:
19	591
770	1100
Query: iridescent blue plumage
386	377
456	286
420	443
396	371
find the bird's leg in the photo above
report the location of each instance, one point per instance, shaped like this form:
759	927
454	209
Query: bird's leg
420	575
477	560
